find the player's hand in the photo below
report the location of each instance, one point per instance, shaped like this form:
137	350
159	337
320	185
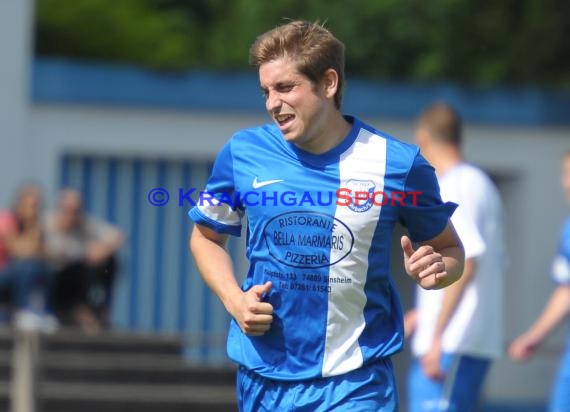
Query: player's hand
424	265
431	362
254	316
522	348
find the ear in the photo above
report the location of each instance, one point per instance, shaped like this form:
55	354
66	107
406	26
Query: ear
330	83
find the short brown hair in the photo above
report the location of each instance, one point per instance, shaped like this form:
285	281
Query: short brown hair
442	122
310	45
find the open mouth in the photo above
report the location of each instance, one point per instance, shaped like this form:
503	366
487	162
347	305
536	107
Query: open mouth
283	120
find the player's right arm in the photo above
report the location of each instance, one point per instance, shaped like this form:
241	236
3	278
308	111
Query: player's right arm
214	264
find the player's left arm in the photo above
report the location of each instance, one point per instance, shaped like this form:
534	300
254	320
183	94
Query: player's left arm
438	262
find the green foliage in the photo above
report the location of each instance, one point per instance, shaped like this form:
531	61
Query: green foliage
115	30
476	42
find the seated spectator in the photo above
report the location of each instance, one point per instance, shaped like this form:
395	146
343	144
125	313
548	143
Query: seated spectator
24	275
82	250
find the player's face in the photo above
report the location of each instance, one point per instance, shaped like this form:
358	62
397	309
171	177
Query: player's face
296	105
565	177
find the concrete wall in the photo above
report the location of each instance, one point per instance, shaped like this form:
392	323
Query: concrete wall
15	57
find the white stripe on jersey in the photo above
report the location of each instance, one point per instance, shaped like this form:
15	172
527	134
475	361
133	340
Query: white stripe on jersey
364	161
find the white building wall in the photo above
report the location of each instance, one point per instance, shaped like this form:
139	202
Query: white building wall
15	55
126	132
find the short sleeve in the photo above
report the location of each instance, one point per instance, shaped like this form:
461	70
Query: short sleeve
477	202
215	208
98	229
561	264
429	215
8	226
8	223
469	233
561	270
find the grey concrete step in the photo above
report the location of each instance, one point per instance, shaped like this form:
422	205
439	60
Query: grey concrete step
113	342
116	372
114	368
157	394
72	397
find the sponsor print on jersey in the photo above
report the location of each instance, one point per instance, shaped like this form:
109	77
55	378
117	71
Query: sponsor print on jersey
305	239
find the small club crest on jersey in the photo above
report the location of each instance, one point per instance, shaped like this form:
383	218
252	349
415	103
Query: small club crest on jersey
361	194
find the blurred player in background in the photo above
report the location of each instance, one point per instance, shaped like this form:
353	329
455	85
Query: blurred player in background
458	330
556	310
318	316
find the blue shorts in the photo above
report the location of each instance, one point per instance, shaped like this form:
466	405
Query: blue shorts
370	388
560	398
459	391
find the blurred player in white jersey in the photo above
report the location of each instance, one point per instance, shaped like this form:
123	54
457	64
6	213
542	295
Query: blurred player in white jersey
457	331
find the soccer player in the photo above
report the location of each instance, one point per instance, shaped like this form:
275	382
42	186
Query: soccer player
458	330
318	316
555	311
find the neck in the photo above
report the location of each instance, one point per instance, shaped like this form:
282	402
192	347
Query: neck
444	158
333	131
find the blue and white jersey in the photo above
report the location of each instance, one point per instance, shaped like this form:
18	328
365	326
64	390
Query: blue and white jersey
319	228
561	264
561	275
